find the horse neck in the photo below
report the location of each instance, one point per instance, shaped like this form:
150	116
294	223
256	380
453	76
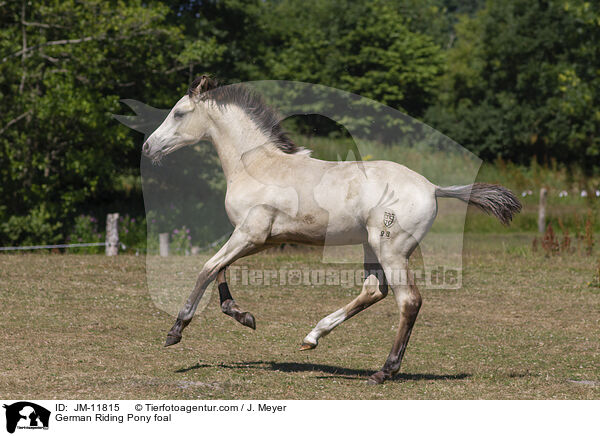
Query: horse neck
233	134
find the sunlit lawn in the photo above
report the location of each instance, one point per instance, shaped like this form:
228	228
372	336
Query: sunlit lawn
85	326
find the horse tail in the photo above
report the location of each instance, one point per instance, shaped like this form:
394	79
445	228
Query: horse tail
492	199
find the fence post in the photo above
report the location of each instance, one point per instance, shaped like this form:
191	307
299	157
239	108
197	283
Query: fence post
542	211
112	234
163	243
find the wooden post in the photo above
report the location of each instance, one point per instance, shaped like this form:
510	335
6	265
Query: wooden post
542	211
112	234
163	243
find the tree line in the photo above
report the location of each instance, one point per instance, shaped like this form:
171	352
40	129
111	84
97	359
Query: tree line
506	78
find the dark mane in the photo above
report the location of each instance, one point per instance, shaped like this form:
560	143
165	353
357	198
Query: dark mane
252	104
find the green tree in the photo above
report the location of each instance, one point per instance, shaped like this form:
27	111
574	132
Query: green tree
228	31
64	66
363	47
522	80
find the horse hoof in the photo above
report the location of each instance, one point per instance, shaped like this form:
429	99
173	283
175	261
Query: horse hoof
376	379
172	339
307	346
248	320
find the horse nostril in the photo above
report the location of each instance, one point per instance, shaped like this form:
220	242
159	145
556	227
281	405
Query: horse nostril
145	148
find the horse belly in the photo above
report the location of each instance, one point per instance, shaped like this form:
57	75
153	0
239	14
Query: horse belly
318	229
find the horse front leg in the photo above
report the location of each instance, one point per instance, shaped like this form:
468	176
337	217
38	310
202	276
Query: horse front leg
232	250
246	239
229	306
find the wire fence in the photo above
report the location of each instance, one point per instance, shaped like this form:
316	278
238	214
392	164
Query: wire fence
48	247
100	244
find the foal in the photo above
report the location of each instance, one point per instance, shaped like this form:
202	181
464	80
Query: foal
277	193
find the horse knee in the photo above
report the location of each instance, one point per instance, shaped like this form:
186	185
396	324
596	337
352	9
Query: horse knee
211	269
374	289
374	293
416	299
411	304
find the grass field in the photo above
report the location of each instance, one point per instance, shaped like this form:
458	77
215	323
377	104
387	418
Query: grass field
84	326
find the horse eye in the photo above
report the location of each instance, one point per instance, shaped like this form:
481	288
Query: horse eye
178	115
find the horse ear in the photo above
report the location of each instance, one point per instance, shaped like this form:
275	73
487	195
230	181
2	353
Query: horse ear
200	85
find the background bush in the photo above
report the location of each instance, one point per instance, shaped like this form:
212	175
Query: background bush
515	81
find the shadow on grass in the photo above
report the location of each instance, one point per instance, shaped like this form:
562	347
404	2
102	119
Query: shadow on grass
333	371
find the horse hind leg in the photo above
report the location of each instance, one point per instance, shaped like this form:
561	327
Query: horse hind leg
229	306
374	288
409	302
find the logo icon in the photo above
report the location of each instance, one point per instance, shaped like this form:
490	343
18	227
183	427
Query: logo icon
388	219
26	415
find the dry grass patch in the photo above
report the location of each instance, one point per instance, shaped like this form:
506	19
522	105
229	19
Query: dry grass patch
85	326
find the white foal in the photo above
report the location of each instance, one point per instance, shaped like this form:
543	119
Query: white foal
277	193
